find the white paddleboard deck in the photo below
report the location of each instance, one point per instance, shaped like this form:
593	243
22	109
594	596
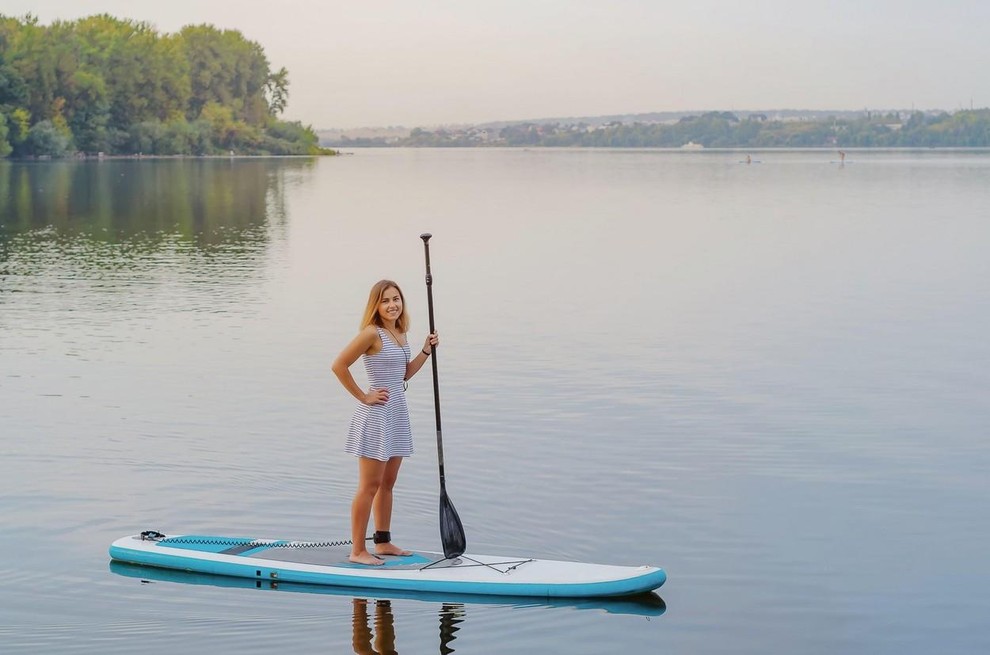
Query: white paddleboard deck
326	563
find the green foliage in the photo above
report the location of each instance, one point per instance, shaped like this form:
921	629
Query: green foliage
44	139
5	147
277	91
117	86
226	69
20	123
294	138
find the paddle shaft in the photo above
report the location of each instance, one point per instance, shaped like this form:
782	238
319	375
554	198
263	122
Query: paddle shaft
451	528
433	359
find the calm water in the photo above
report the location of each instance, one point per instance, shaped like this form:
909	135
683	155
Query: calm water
770	379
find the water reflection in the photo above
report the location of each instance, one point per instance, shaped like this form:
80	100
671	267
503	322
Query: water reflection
451	614
208	202
374	615
198	233
380	639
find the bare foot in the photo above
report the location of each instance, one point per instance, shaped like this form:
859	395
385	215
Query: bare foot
391	549
365	557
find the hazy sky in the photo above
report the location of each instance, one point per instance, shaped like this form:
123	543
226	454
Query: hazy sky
425	62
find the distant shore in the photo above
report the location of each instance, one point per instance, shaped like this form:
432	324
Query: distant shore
896	129
102	157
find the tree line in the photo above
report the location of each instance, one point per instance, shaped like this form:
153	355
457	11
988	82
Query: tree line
962	129
107	85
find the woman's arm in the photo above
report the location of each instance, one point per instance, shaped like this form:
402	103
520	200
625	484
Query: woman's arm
420	358
341	367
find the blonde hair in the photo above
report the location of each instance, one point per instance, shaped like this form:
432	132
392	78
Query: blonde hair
371	315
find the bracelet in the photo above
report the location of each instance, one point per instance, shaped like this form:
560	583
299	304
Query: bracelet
426	353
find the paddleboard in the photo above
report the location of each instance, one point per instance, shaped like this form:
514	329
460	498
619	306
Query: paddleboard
325	563
644	604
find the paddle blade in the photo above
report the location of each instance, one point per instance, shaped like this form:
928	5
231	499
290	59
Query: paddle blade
451	530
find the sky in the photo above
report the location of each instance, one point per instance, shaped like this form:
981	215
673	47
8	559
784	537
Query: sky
432	62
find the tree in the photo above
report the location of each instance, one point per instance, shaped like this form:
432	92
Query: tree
277	90
19	123
5	147
226	69
46	140
104	84
13	90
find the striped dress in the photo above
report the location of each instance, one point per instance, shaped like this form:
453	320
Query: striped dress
383	431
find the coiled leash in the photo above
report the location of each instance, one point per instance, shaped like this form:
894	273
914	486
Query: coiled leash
154	535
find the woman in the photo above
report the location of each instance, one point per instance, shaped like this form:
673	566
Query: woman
379	435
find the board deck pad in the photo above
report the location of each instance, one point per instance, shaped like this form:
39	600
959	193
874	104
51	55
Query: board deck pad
300	552
337	556
326	563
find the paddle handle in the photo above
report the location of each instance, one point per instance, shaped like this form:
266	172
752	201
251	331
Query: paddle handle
433	360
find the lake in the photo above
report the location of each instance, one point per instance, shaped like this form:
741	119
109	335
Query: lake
770	379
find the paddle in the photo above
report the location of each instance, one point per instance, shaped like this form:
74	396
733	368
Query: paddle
451	530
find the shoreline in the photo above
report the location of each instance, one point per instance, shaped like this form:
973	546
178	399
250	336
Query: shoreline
102	157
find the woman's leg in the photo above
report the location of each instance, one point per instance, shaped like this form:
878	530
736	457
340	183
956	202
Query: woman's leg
383	506
370	473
